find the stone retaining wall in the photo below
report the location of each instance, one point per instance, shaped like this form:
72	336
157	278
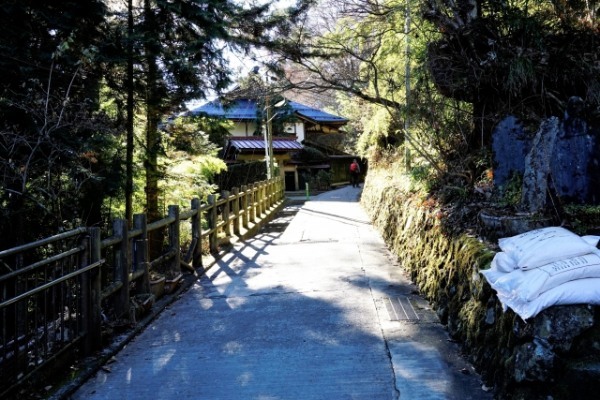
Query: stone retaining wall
555	355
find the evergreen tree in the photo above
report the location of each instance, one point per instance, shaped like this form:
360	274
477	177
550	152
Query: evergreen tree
182	58
58	152
440	75
51	160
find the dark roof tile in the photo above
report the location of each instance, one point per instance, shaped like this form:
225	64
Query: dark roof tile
255	143
245	110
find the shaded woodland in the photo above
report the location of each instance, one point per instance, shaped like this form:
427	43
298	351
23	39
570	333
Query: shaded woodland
429	81
86	89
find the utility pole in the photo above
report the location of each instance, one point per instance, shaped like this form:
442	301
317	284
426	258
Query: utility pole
271	155
268	138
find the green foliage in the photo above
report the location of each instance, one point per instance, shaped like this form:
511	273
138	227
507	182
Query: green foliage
310	154
385	61
36	35
466	65
583	218
190	163
59	156
238	175
422	178
217	130
61	160
189	177
354	110
188	135
520	74
510	194
320	180
376	125
324	178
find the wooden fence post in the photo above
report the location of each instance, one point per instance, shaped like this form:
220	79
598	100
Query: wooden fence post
253	203
197	234
174	240
245	206
212	223
122	266
259	200
271	193
281	189
236	211
274	192
85	300
225	213
263	204
267	196
141	254
93	317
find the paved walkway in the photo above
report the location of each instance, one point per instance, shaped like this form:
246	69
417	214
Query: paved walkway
314	307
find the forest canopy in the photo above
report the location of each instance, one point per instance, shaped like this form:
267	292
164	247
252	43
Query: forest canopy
85	89
429	80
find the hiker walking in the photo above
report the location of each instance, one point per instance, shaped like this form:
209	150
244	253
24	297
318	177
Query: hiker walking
354	173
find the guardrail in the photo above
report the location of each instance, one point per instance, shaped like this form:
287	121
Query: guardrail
62	295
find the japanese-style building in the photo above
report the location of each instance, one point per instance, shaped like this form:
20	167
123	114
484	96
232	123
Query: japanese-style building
301	126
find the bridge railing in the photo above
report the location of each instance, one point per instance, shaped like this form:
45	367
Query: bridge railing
61	295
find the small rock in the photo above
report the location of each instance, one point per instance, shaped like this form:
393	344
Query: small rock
561	325
534	362
490	316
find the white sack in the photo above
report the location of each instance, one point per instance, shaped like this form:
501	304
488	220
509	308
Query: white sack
528	285
501	266
580	291
591	239
543	246
503	262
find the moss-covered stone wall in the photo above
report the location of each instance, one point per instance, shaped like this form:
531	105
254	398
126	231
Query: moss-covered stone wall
549	355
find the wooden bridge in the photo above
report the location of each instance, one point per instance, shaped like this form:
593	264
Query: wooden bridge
58	295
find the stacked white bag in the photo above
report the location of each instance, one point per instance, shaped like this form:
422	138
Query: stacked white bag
545	267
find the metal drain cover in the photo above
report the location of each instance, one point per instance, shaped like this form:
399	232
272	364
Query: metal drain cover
400	309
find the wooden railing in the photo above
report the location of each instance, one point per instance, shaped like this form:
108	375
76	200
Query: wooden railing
62	293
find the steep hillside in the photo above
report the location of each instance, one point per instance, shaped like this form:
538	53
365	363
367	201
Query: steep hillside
556	354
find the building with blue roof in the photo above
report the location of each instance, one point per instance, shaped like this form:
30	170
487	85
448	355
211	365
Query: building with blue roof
301	125
304	122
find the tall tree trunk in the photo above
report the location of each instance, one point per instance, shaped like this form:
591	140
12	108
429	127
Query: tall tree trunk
152	135
130	114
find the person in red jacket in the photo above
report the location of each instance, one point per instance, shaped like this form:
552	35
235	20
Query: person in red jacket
354	173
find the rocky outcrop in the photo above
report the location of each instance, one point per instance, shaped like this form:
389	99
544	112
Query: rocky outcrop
554	355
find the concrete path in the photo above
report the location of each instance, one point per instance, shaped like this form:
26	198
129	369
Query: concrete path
314	307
